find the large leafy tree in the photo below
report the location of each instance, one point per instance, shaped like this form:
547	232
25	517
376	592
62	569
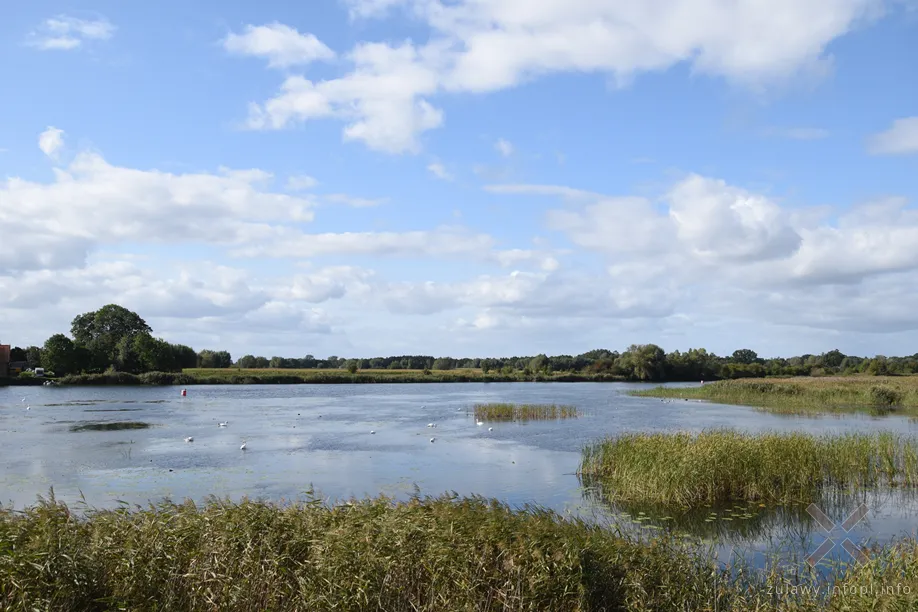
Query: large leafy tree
101	331
59	355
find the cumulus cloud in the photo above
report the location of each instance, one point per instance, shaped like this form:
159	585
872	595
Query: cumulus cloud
479	47
64	33
281	45
50	141
900	139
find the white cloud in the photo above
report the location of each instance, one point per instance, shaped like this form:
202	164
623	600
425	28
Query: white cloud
301	182
900	139
439	170
381	99
92	203
50	141
281	45
65	33
504	147
481	47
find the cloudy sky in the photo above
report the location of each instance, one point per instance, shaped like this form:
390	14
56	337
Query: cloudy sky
464	177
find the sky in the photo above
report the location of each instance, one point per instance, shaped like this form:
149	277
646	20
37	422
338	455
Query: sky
464	177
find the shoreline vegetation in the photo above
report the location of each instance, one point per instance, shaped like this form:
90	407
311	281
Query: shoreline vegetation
114	345
722	466
802	395
424	554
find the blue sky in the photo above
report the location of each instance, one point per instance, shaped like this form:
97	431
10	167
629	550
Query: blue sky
372	177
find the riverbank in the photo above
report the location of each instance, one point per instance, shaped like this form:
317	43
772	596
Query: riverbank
237	376
876	394
426	554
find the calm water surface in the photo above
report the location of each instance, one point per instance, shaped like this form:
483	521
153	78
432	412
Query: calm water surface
302	436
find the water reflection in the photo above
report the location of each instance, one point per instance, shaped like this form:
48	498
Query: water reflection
767	534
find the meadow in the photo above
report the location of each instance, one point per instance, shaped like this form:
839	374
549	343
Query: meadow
876	394
444	553
719	466
502	411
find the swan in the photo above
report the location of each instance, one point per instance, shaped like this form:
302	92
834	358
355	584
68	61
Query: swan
432	439
189	439
223	424
243	445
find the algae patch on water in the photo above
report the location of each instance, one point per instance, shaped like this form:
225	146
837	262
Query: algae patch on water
110	426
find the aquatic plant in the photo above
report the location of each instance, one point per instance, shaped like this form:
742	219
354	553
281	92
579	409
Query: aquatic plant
523	412
718	466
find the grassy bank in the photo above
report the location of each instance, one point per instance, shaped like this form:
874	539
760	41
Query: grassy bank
424	555
723	466
499	411
795	395
236	376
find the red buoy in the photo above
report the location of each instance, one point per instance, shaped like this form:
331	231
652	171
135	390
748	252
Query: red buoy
184	392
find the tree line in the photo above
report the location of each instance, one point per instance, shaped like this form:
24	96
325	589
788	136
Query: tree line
114	338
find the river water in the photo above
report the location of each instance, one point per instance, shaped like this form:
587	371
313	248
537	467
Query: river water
318	437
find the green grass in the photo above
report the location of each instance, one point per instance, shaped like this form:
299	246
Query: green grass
873	394
722	466
523	412
427	554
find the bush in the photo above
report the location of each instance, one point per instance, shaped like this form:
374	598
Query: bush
885	396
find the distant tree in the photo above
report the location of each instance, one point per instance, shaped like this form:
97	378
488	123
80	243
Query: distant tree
33	356
214	359
59	355
276	362
746	356
18	354
246	362
833	358
100	331
261	362
645	362
485	365
352	366
184	356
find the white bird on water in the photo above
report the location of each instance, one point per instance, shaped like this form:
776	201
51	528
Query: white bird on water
372	432
479	423
432	439
490	429
223	424
189	439
243	445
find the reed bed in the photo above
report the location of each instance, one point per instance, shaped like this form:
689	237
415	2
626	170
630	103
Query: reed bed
427	554
524	412
874	394
721	466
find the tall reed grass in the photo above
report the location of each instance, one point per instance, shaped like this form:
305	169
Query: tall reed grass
431	554
800	395
524	412
718	466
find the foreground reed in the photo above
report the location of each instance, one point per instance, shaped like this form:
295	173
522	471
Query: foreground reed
722	466
428	554
874	394
524	412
